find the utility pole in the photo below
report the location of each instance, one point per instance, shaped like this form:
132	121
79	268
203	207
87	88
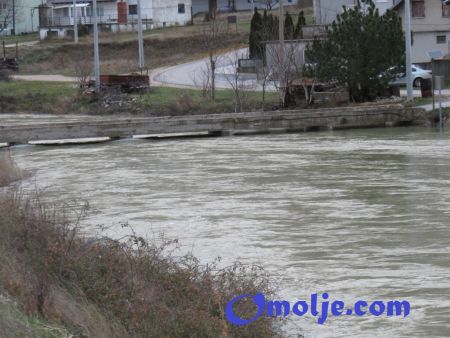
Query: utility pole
14	16
409	83
140	38
282	49
96	51
75	21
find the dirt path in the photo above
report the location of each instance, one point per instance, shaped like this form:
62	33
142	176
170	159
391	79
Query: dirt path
22	44
46	78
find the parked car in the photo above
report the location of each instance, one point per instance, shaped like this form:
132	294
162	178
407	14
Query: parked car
418	74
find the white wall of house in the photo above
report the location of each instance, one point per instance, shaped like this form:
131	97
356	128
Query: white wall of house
147	8
171	12
431	31
326	11
201	6
27	18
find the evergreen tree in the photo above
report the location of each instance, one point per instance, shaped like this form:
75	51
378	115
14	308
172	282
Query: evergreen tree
301	21
288	27
360	47
275	27
255	39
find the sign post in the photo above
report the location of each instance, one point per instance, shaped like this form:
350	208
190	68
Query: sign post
75	21
96	49
438	85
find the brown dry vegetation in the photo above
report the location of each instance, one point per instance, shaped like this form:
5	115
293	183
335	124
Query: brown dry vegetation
118	57
9	171
104	288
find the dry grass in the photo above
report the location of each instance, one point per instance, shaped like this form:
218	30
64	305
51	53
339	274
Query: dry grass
9	171
119	57
99	287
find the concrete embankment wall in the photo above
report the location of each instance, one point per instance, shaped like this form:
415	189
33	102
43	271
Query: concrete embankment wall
289	121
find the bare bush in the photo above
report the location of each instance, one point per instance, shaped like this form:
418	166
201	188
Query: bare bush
9	171
100	287
238	82
212	32
202	80
83	71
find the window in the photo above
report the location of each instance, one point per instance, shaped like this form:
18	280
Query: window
132	9
446	11
441	39
418	9
100	11
181	9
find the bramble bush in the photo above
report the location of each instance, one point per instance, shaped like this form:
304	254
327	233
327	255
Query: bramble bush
96	286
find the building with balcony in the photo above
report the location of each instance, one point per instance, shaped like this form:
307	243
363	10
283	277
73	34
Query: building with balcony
56	17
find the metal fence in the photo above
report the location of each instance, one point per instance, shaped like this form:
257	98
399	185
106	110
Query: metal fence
58	21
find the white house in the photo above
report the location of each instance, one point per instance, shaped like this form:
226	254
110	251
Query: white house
25	16
430	24
56	17
326	11
201	6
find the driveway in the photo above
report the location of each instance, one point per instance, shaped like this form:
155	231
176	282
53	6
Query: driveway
194	74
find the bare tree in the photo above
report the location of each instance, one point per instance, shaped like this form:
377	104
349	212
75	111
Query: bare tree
264	77
284	62
212	9
9	10
270	3
238	83
212	33
202	79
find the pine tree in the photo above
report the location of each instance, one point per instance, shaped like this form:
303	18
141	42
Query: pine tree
275	27
288	27
255	39
360	47
301	21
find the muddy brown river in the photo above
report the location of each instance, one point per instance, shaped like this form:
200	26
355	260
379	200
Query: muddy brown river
362	214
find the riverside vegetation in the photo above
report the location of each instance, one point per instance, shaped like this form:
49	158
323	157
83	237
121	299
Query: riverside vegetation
58	280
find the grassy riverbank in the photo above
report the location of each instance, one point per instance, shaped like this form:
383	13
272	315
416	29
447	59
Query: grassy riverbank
65	98
9	171
58	280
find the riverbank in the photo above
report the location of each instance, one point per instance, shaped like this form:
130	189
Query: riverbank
55	275
59	98
86	127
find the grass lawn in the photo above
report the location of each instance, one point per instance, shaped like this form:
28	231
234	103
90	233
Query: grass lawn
65	98
9	39
419	101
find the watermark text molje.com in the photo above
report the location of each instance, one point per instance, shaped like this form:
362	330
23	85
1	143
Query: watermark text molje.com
319	307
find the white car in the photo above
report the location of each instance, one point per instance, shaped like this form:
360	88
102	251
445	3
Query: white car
418	74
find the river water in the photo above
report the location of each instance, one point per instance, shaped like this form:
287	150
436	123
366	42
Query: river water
361	214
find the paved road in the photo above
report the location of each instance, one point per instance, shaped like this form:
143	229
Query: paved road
186	75
429	107
193	74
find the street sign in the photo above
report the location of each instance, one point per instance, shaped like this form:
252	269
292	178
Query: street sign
438	82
